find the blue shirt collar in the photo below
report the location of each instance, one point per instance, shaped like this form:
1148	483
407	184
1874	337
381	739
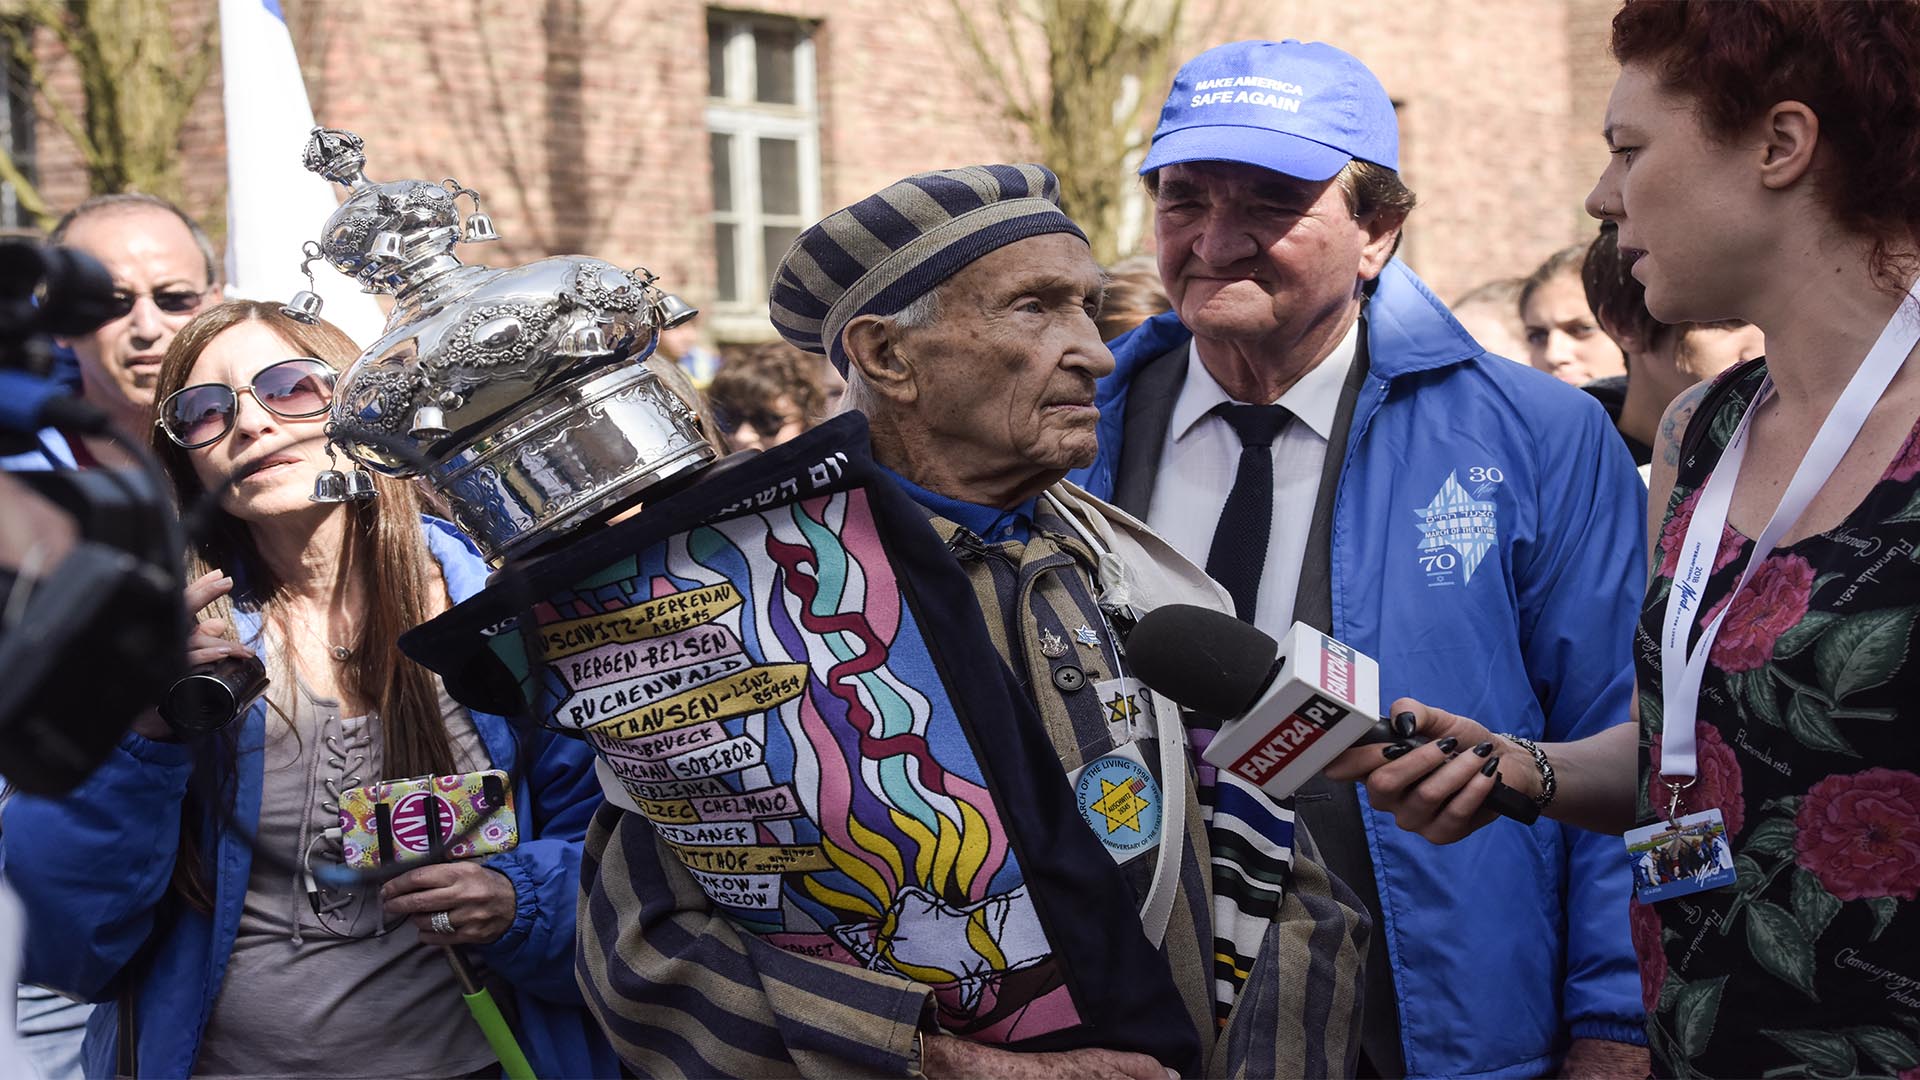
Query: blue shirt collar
989	523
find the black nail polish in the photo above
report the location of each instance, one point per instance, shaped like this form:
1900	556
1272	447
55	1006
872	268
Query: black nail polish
1483	749
1447	744
1404	724
1492	764
1394	750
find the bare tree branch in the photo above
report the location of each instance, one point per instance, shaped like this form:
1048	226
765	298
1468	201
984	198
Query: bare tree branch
310	24
1029	95
506	145
138	84
23	189
20	37
199	68
1104	63
1004	91
192	79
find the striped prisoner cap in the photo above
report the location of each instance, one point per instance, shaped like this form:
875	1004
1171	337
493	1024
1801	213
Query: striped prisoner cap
889	249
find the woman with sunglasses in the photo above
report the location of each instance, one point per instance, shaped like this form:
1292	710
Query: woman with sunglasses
187	880
766	395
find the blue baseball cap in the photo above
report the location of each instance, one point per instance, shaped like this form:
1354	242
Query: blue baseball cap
1302	108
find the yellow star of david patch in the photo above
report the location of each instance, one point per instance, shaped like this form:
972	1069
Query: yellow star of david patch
1122	708
1121	804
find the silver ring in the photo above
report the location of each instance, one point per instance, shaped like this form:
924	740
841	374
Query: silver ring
442	922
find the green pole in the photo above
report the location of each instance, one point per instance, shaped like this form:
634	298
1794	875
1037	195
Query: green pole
499	1036
486	1013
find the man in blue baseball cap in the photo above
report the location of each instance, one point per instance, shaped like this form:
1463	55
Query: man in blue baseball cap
1313	424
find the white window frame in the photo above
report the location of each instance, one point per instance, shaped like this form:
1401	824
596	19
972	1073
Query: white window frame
747	121
19	140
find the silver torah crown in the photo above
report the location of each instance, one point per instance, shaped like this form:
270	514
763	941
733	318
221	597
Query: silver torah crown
522	395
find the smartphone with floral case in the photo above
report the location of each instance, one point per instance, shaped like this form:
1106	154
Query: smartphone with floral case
396	821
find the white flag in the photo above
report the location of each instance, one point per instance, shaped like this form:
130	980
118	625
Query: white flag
274	205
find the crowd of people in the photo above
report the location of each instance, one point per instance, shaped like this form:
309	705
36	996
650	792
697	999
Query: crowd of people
972	841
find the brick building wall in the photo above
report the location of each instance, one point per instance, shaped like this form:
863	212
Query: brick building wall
583	122
1591	74
1486	124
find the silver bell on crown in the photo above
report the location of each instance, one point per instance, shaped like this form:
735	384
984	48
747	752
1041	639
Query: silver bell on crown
303	308
305	305
388	245
329	487
480	228
671	311
429	422
360	486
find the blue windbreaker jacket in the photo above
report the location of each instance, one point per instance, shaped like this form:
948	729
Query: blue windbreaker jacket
1488	548
92	868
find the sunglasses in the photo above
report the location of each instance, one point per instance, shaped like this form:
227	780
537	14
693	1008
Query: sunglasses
765	421
171	301
201	415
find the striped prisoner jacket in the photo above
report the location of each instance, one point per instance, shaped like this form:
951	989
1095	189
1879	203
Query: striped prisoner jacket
647	932
854	817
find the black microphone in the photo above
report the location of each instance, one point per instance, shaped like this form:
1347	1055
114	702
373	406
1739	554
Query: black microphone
1286	711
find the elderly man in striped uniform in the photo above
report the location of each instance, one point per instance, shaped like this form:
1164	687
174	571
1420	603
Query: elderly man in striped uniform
960	307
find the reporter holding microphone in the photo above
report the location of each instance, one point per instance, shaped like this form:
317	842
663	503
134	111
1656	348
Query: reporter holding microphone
1764	168
184	884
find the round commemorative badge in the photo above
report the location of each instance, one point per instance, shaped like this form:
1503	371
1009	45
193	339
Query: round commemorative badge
1120	801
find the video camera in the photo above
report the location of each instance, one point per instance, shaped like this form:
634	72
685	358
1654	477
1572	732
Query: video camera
92	628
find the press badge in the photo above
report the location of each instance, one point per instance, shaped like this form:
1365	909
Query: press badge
1120	801
1678	858
1128	709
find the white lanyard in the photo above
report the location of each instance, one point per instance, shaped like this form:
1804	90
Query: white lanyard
1683	670
1116	588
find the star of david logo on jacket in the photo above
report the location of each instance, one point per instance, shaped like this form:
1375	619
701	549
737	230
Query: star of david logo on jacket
1455	519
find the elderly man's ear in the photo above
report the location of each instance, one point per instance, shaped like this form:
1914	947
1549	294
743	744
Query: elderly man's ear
873	350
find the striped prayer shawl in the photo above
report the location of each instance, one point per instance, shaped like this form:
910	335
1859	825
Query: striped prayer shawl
1252	841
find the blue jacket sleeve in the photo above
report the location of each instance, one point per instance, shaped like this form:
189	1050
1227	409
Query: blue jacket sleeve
1581	599
536	952
92	867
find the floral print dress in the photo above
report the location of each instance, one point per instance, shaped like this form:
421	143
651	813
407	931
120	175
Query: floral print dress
1809	744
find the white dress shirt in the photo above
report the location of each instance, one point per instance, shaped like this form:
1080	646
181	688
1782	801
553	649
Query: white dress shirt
1202	452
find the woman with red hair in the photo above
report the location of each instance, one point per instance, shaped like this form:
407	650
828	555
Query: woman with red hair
1766	167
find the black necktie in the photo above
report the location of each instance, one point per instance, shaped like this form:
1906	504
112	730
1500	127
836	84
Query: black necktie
1239	550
